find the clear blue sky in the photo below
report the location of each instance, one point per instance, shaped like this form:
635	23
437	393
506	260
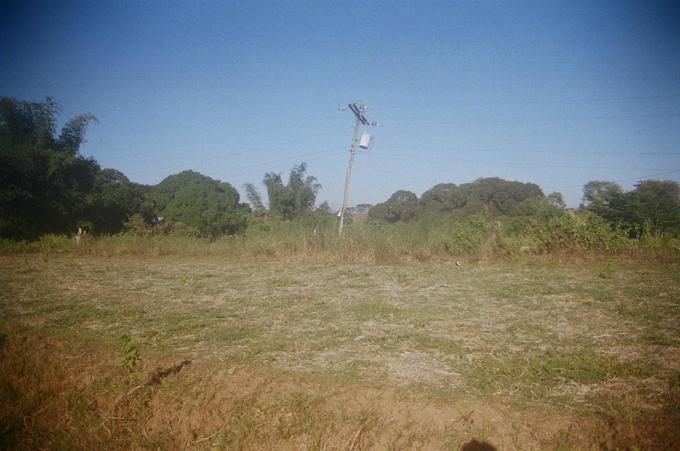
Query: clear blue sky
556	93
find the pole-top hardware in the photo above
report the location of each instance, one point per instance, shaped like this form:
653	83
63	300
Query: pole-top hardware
358	110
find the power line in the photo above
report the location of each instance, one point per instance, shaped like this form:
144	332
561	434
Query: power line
178	151
427	180
607	99
264	165
553	119
385	171
572	100
512	163
287	161
541	151
644	177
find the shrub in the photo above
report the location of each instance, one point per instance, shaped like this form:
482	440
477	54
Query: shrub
467	236
136	225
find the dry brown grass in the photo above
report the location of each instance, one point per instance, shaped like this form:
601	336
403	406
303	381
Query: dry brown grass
97	405
338	356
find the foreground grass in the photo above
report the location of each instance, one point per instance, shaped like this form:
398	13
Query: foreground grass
532	355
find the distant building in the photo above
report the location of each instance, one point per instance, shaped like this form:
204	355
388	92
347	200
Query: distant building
359	212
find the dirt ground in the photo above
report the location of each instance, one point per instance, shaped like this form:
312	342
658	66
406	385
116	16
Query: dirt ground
200	353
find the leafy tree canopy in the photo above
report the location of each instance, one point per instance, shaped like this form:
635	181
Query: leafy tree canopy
657	203
209	205
497	196
597	191
443	197
652	203
114	199
44	181
607	200
485	195
255	199
401	206
289	201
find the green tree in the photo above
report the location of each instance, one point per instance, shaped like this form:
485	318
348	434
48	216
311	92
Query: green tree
556	200
443	197
44	181
489	196
255	199
295	198
401	206
325	209
540	208
657	203
595	191
209	205
279	199
494	195
610	202
114	199
303	189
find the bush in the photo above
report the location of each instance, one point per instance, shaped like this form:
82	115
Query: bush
467	237
136	225
315	238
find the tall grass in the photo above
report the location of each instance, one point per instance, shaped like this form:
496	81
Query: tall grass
431	238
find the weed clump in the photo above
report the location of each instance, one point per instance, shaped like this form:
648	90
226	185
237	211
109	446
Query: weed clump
129	352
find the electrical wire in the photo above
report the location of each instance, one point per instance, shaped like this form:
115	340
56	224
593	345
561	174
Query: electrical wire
573	100
408	176
513	163
421	179
540	151
635	179
183	148
284	163
257	167
260	166
552	119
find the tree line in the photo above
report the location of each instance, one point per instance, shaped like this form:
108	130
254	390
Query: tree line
47	186
489	196
652	204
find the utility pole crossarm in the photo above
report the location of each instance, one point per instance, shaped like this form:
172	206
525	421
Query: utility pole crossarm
358	111
360	119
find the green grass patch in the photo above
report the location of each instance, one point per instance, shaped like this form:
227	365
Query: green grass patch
376	310
539	373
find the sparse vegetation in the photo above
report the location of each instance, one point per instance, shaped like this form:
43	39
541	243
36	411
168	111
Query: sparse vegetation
315	238
539	353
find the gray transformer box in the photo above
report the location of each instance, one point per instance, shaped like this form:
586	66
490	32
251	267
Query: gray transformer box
365	140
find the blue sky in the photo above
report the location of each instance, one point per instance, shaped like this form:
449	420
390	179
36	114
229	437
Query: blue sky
556	93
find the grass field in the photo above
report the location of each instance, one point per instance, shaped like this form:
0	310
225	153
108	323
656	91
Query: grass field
533	354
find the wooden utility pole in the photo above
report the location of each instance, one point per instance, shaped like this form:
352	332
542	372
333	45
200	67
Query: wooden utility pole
359	120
